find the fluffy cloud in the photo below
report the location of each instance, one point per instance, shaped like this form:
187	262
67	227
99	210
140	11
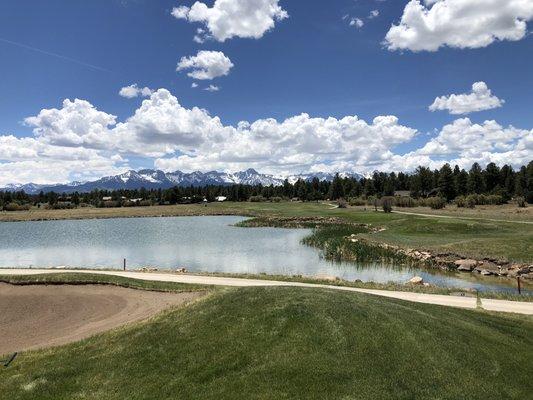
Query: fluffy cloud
430	24
79	141
463	142
77	123
161	125
24	160
232	18
50	171
480	99
206	65
469	139
132	91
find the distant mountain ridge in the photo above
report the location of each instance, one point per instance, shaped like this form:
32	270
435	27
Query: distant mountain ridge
157	179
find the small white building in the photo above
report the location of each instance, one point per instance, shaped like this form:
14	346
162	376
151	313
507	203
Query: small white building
221	198
107	198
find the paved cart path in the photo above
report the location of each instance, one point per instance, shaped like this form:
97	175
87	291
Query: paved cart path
443	300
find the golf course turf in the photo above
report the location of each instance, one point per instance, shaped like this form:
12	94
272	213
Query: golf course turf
290	343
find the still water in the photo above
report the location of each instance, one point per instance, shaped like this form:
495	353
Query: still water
201	244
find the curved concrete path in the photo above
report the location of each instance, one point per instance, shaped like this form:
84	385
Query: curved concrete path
442	300
510	221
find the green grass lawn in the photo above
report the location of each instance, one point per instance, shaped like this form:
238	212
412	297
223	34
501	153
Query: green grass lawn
96	279
470	238
290	343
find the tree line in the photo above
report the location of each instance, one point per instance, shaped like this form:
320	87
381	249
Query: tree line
447	183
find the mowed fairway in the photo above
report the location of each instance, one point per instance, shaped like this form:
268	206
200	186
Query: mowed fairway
290	343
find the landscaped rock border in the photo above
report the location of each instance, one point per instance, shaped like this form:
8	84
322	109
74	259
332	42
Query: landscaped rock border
451	261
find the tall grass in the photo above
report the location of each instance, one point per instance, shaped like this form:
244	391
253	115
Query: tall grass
333	241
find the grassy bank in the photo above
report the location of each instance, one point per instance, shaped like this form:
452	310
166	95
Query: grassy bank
95	279
276	343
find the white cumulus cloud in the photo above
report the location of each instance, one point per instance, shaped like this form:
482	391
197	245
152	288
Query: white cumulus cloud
77	141
227	19
77	123
430	24
206	65
480	99
133	90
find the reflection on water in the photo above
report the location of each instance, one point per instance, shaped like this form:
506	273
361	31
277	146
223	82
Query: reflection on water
208	244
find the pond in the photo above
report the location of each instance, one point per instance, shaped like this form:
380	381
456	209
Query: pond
200	244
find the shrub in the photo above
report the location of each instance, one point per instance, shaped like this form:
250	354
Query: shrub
520	202
373	201
465	201
405	202
494	199
257	199
111	204
342	203
357	201
16	207
276	199
436	203
386	203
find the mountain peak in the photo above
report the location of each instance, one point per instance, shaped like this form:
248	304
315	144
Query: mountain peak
157	179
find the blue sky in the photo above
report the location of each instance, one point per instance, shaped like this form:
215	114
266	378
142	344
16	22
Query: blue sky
313	61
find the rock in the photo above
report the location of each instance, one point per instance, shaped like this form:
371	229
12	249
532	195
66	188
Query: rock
416	280
518	270
465	265
504	272
527	276
426	284
488	268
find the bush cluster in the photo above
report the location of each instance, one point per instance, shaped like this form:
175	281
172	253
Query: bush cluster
386	203
473	200
435	203
520	202
16	207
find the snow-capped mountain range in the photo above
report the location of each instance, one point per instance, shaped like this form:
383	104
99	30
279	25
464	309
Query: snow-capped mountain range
157	179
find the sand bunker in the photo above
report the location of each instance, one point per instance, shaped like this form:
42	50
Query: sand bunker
38	316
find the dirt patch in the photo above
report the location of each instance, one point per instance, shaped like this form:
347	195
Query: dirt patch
41	315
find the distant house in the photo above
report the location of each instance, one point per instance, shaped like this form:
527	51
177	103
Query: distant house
137	200
221	198
402	193
107	198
